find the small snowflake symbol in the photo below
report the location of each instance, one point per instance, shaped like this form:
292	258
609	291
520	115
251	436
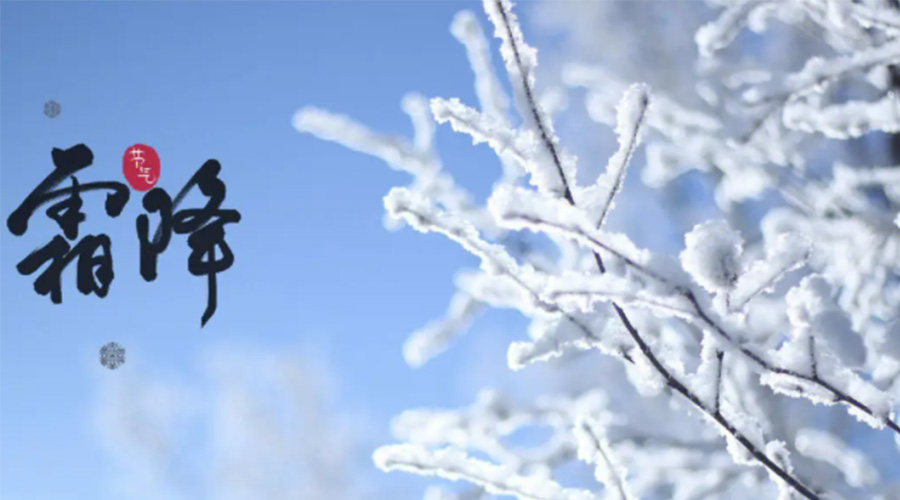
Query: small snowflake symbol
52	109
112	355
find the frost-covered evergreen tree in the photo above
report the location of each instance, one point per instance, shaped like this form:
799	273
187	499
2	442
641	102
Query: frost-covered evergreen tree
725	345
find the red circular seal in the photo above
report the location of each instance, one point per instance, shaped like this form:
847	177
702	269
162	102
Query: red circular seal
140	164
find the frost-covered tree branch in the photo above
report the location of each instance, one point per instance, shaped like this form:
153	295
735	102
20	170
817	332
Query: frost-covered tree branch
742	324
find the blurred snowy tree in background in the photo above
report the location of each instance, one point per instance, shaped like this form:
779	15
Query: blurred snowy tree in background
257	425
759	358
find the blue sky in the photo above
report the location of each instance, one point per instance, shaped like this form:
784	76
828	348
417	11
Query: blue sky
313	263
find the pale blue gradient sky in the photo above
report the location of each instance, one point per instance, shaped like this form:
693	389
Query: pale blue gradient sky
208	80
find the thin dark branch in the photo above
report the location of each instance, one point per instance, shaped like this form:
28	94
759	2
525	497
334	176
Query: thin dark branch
812	357
719	362
620	179
545	136
760	122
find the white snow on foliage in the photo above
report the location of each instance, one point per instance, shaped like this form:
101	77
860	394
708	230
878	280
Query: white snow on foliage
712	255
521	148
845	121
491	97
719	33
456	465
819	71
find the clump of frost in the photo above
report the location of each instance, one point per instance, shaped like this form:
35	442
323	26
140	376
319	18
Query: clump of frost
712	255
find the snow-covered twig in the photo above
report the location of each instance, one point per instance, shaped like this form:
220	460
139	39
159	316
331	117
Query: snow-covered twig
456	465
631	114
818	72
